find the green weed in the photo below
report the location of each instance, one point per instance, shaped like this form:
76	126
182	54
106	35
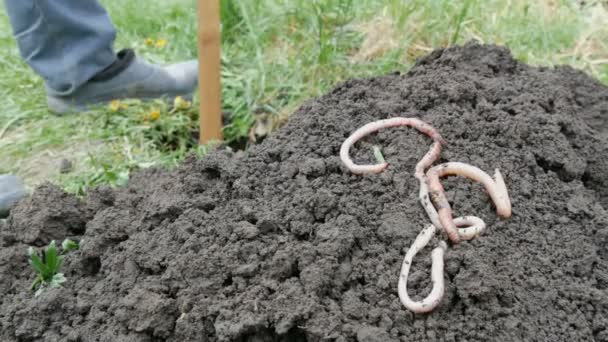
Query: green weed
48	266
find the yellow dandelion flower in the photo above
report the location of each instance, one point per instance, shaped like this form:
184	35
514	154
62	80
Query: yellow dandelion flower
154	114
116	105
160	43
179	103
149	41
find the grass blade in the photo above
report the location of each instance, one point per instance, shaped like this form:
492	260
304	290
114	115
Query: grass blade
459	20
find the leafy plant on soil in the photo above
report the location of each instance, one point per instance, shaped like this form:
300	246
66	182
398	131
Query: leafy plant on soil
48	265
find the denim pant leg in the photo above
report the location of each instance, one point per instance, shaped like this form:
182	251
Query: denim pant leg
64	41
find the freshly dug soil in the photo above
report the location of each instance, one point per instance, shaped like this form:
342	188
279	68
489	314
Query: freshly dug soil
282	243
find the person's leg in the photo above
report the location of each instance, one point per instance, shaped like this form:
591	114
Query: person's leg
65	42
130	77
69	43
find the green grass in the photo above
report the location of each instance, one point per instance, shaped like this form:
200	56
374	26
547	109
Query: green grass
276	53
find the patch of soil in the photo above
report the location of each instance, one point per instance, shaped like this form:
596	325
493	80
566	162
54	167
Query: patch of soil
281	243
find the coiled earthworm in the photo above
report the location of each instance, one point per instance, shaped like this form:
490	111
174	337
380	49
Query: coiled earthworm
496	188
375	126
427	160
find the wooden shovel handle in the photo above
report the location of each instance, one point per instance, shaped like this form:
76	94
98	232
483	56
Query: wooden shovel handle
209	70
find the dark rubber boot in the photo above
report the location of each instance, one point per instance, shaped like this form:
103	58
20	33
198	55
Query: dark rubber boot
11	190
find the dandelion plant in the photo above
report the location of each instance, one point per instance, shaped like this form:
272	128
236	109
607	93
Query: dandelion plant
48	265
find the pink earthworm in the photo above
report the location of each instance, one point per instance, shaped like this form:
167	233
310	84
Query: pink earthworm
427	160
496	188
375	126
423	195
440	214
434	297
469	227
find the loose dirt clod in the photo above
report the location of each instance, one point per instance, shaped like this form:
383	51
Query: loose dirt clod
282	243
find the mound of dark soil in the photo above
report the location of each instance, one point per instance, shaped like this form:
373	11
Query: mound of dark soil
281	243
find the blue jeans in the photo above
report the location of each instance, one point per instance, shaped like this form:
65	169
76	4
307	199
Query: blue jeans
65	41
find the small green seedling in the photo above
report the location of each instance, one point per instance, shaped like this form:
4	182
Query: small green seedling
49	265
378	154
69	245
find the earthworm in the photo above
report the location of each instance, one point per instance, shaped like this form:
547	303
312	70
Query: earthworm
426	161
496	188
375	126
433	199
434	298
470	227
423	194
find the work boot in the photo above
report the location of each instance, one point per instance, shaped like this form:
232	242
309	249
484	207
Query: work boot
129	77
11	190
